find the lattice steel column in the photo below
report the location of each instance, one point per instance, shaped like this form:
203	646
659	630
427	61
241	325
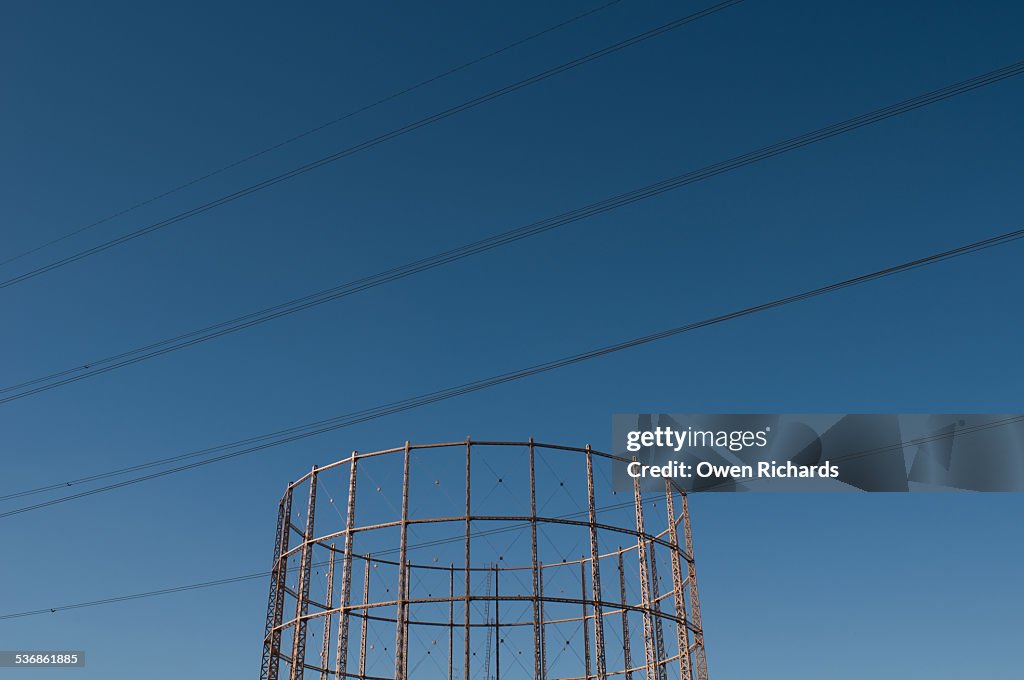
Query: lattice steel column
451	622
700	661
274	612
543	628
627	655
302	594
586	616
682	632
645	583
365	619
595	571
402	567
326	648
405	622
497	626
341	648
469	447
537	673
659	636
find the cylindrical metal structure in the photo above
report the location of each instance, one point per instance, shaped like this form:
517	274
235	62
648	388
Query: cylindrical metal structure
511	580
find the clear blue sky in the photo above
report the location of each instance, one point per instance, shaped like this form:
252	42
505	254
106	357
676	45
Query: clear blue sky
108	103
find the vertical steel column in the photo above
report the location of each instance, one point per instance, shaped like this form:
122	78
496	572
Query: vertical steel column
272	597
341	646
659	637
497	626
281	566
275	574
366	618
700	661
451	622
536	574
682	632
341	649
402	566
595	571
627	655
543	628
586	615
645	584
405	621
326	648
469	446
302	594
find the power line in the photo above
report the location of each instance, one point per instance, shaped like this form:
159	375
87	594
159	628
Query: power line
489	532
261	442
314	130
138	596
362	146
139	354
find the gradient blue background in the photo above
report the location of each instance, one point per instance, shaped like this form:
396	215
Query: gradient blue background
108	103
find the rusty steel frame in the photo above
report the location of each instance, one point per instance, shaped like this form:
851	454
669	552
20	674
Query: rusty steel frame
681	619
329	597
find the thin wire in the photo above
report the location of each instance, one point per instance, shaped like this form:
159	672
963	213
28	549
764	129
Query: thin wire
139	354
319	427
362	146
330	498
314	130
